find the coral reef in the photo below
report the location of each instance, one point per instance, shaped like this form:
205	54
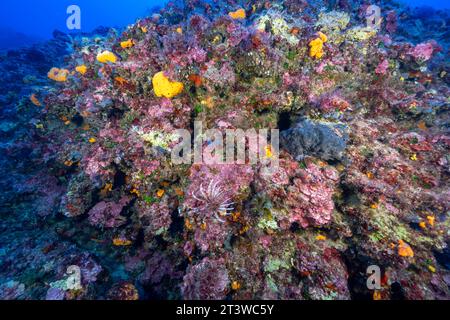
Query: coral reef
88	134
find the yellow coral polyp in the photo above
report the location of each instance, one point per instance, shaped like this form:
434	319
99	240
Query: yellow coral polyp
106	56
163	87
59	75
238	14
127	44
81	69
316	46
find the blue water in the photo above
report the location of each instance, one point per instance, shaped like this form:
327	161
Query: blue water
26	21
37	19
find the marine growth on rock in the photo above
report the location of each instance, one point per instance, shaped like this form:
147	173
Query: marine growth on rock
359	176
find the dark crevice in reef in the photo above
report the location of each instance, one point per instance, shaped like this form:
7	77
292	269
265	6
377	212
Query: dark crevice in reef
443	256
120	179
397	292
357	277
294	227
78	120
177	226
284	121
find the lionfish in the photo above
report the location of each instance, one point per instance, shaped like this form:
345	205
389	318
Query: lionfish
213	200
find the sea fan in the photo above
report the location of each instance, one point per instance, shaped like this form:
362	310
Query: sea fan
214	200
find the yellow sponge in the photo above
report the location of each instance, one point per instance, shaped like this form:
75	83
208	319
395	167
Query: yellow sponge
163	87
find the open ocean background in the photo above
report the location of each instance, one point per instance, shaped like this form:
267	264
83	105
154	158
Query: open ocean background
28	21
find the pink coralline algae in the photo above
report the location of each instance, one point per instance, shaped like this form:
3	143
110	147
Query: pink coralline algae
212	235
332	274
107	214
333	103
97	164
155	217
423	51
207	280
310	197
382	67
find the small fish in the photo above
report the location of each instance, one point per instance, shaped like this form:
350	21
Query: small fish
35	100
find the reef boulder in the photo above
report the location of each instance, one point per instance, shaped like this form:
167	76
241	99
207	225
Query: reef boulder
324	140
